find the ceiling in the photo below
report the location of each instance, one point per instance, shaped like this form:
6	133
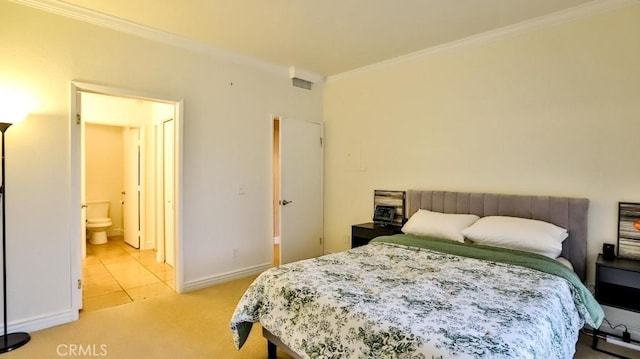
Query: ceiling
326	37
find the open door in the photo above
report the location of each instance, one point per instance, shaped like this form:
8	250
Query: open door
131	193
300	190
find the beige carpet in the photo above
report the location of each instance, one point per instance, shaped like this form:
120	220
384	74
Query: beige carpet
191	325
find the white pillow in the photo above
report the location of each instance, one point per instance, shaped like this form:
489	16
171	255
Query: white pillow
439	225
518	233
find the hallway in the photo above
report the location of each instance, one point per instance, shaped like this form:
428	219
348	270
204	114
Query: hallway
116	273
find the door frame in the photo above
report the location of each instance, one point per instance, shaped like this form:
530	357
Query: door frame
275	191
75	152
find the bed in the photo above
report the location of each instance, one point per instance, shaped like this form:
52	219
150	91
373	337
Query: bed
415	296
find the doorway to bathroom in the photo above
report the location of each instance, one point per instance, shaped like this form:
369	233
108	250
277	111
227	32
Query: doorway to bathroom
127	146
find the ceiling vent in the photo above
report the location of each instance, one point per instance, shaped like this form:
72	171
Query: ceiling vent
303	79
303	84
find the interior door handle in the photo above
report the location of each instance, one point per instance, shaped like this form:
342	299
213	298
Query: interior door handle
285	202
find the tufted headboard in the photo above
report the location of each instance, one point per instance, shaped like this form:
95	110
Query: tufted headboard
569	213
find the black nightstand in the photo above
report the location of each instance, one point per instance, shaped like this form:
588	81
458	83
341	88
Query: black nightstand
618	283
362	233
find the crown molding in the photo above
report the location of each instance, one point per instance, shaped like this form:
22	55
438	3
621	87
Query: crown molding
571	14
121	25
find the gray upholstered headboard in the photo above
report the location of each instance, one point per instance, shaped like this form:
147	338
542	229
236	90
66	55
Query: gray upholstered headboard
569	213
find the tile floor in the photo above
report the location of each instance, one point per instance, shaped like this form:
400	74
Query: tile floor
116	273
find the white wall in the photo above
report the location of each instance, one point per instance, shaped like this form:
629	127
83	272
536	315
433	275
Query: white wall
550	112
115	111
227	108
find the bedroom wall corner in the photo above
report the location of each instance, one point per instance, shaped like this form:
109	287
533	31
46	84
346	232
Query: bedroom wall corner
550	112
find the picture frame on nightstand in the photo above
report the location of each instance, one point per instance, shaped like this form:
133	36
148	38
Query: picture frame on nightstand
395	199
629	230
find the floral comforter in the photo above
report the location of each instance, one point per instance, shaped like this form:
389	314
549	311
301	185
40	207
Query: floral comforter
390	299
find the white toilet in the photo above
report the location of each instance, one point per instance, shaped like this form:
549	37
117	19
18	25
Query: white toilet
98	221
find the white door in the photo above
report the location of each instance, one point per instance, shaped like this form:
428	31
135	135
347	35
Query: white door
131	192
168	190
301	190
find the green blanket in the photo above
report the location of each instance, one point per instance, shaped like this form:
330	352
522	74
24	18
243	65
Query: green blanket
503	255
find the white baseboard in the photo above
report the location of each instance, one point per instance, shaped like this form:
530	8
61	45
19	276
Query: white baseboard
147	245
42	322
224	277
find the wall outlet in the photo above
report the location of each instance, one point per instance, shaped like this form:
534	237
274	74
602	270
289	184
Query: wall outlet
241	189
235	253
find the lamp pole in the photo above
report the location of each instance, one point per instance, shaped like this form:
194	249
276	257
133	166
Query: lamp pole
11	341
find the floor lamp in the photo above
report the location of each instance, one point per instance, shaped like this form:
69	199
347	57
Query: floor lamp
10	341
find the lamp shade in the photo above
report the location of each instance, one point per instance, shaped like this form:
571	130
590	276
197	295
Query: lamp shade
13	106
